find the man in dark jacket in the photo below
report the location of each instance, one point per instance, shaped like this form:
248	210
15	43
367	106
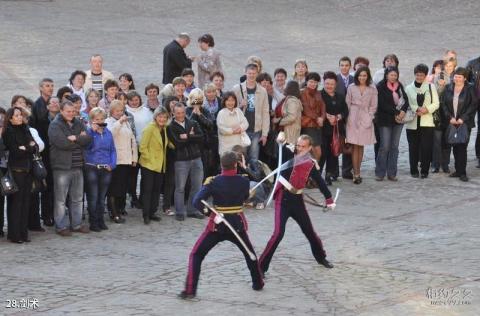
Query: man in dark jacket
175	59
473	68
68	140
187	137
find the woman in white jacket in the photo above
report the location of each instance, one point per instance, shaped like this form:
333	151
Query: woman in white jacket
231	124
127	157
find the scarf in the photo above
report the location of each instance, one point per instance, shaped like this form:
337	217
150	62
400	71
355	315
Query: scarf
394	87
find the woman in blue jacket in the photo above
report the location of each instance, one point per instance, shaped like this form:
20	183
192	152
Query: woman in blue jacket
100	160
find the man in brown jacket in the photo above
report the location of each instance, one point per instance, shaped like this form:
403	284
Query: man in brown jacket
253	100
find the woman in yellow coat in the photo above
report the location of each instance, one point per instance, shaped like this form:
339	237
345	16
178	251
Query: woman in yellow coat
153	162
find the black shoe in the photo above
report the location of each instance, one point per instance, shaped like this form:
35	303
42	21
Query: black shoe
436	170
118	220
357	180
17	241
102	226
424	176
454	175
324	262
180	217
95	228
196	215
186	296
155	218
48	222
123	212
146	220
258	286
328	180
347	176
464	178
2	233
415	175
27	240
446	170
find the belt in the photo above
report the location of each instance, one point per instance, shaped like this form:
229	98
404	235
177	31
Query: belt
97	166
229	209
287	185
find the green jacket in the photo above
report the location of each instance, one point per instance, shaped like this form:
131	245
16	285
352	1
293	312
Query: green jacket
153	151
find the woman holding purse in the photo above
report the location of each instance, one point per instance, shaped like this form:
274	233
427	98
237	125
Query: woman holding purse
21	146
336	115
289	114
232	124
392	106
459	104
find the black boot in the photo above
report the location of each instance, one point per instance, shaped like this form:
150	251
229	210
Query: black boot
115	214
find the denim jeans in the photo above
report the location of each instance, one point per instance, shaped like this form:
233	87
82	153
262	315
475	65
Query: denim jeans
68	183
441	150
183	169
97	182
254	148
386	162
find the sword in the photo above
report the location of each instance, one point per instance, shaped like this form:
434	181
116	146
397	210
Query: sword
310	200
279	169
220	218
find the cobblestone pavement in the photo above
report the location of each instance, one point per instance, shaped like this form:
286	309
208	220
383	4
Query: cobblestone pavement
395	246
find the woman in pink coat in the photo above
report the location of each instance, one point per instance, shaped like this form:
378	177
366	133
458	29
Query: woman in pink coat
362	105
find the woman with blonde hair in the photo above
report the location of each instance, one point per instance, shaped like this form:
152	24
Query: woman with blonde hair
127	157
301	72
153	162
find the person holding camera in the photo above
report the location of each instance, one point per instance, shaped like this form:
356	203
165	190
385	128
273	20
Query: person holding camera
255	170
100	160
127	156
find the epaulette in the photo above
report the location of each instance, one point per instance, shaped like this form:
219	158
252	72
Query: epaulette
208	180
244	175
316	163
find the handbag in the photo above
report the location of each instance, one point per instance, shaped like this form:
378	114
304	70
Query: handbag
409	115
457	135
39	185
38	168
7	184
245	140
336	146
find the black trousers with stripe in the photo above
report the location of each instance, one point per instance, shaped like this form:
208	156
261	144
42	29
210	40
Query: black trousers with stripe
205	243
291	205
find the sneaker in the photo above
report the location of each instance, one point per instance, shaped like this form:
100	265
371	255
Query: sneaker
64	232
82	229
169	212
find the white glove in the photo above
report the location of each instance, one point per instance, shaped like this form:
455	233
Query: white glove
218	219
281	138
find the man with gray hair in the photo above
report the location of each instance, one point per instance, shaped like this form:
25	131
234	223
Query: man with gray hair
175	59
97	76
68	140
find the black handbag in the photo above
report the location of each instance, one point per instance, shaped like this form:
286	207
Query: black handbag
39	185
7	184
457	135
38	168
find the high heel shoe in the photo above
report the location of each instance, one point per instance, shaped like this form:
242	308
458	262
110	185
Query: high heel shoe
357	179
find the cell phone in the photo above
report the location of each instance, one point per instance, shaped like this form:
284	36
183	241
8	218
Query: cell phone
442	75
102	124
